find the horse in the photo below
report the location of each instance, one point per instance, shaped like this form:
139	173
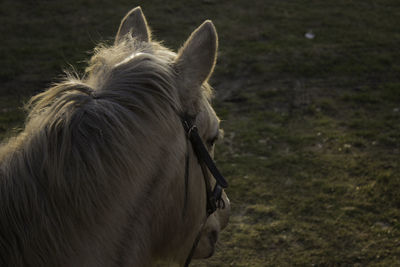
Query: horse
114	167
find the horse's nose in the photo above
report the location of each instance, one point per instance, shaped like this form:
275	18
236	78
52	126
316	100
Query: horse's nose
224	213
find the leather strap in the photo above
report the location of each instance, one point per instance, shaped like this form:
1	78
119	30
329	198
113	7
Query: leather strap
214	197
185	200
196	242
203	155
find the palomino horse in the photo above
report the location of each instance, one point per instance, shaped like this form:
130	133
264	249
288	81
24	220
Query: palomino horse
114	169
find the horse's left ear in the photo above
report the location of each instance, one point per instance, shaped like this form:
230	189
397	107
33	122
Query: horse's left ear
196	59
136	23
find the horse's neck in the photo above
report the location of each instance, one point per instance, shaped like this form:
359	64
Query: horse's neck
62	239
129	227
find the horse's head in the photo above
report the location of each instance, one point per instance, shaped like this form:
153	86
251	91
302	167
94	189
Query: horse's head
191	68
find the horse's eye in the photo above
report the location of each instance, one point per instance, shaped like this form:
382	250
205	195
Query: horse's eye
212	141
218	135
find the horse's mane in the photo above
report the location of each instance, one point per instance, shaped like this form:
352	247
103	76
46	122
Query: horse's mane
81	137
133	74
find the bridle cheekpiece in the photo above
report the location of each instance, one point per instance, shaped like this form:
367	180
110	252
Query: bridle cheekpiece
214	196
207	164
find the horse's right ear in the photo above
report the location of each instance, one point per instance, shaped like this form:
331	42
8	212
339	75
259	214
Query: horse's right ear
135	23
196	59
195	62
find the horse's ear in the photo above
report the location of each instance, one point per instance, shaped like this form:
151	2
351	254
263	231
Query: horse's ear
136	23
196	59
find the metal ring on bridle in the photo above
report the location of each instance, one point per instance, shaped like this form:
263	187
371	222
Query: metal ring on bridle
189	132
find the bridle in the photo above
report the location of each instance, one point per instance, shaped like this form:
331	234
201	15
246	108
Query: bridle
207	164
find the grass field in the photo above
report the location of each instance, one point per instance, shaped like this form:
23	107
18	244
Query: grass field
312	126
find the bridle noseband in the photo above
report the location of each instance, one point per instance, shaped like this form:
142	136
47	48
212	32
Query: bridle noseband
214	196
